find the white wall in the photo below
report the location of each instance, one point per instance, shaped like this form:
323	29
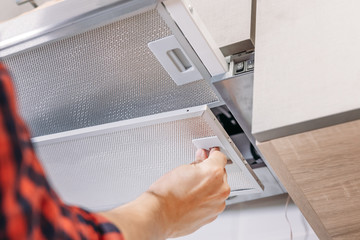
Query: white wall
9	8
262	219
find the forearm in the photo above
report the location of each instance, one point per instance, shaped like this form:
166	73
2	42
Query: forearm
140	219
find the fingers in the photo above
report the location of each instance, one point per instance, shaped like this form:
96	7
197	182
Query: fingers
216	158
225	176
214	149
200	156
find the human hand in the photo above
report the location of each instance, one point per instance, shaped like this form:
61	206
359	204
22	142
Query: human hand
179	203
193	195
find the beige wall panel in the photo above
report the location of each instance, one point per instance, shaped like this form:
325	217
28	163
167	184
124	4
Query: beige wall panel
320	169
228	21
307	65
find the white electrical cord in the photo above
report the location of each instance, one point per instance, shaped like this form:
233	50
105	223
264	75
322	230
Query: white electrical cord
286	216
306	226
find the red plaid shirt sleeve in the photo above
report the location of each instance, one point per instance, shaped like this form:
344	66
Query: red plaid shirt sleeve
29	208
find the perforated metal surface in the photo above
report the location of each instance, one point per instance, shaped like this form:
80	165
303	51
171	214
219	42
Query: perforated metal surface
103	75
105	170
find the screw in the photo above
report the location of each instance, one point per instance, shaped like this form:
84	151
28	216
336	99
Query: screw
191	9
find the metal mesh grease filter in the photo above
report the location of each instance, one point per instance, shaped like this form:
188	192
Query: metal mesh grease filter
103	171
100	76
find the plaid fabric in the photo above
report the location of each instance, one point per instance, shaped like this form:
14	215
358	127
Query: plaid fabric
29	208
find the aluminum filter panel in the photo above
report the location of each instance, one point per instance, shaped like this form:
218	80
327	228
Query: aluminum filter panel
103	75
114	165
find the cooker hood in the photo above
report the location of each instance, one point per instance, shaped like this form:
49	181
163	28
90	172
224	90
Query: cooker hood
107	113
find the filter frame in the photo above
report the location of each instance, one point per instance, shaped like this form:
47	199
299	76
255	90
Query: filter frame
199	111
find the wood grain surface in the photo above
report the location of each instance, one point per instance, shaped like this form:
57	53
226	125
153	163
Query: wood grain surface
321	171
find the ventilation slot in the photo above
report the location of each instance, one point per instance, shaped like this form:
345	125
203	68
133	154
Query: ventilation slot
179	59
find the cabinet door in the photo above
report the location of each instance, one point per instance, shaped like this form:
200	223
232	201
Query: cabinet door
307	73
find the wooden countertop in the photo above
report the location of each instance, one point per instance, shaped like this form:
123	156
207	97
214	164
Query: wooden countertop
321	171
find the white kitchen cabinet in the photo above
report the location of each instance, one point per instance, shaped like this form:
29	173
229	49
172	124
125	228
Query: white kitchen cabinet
307	74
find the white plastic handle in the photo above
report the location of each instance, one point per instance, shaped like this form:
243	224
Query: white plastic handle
174	60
